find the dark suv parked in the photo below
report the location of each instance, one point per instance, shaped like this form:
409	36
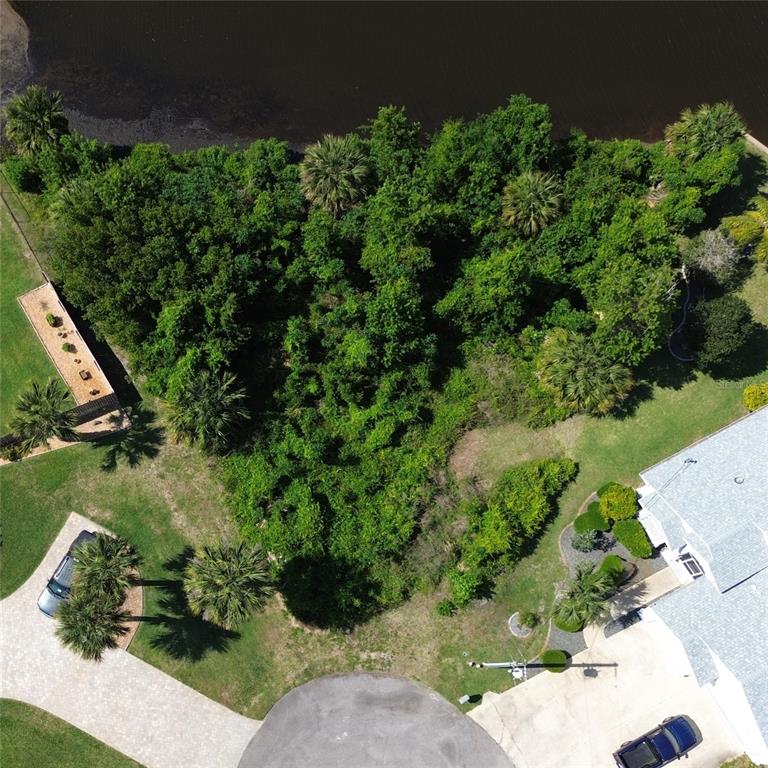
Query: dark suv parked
57	589
675	737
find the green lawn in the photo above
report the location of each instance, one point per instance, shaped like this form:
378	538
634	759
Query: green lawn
23	357
31	737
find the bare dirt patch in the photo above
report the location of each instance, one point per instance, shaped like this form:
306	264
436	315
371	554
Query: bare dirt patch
133	605
463	460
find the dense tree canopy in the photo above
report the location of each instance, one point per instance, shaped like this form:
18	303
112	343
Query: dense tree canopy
373	302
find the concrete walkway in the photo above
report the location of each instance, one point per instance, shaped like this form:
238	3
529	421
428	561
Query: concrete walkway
122	701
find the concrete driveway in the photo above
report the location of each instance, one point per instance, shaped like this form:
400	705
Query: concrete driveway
122	701
369	721
576	719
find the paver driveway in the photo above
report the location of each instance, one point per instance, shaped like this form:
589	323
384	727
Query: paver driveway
123	701
577	720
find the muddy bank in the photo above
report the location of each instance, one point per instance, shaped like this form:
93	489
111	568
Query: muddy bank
161	125
14	43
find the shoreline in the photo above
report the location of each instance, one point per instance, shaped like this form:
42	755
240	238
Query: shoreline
14	51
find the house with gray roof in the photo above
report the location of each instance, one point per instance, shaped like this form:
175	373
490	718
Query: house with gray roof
706	509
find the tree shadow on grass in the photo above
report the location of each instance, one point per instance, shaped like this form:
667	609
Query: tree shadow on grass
182	635
328	593
142	440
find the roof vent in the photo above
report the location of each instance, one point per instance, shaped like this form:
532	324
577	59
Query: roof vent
739	479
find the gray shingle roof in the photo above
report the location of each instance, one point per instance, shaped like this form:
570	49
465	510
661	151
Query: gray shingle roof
732	625
719	488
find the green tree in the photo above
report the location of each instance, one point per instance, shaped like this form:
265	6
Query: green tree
42	415
34	119
104	568
720	329
488	299
751	228
207	409
580	377
226	583
89	626
531	202
633	302
704	132
584	601
394	143
334	172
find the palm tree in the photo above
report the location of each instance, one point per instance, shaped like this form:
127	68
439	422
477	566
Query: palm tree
88	626
751	228
206	411
531	201
579	376
226	583
41	415
333	173
34	118
104	567
705	131
585	599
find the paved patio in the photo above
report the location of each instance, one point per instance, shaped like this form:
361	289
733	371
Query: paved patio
626	685
122	701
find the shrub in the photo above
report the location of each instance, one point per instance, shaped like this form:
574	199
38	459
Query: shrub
719	330
604	488
464	585
445	607
585	541
52	320
619	502
568	626
67	347
22	173
12	452
755	396
591	520
632	535
554	660
613	567
528	619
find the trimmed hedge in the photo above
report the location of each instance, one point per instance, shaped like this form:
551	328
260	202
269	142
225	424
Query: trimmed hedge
613	567
566	627
755	396
619	502
632	535
554	660
591	520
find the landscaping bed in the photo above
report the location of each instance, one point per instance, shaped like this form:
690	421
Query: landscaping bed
640	568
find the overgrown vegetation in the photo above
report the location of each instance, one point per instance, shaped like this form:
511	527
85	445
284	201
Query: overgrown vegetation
357	302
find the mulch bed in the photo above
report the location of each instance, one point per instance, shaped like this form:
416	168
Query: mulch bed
133	605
